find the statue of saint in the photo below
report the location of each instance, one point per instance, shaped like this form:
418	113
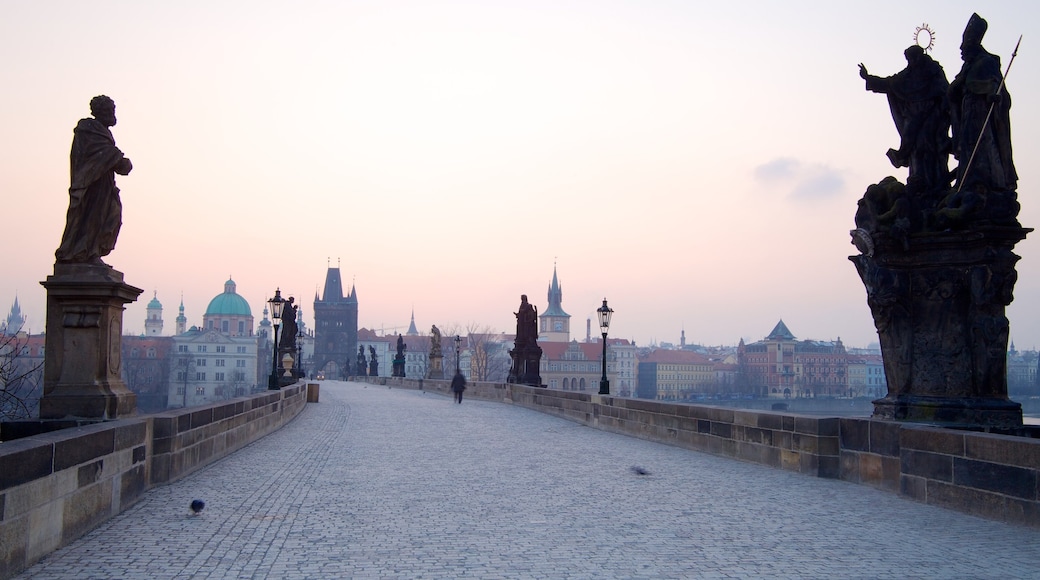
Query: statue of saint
400	346
289	327
435	341
526	322
362	364
973	93
917	98
95	212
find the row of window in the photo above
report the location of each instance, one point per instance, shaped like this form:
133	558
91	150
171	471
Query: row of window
205	347
201	376
201	362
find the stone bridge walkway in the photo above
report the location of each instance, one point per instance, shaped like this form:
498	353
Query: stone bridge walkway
380	483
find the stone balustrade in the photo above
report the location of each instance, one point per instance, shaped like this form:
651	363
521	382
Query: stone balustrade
57	485
985	474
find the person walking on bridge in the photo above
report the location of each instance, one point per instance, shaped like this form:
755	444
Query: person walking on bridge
458	384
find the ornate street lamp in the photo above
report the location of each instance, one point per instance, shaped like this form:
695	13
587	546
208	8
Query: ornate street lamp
299	353
458	341
604	312
276	318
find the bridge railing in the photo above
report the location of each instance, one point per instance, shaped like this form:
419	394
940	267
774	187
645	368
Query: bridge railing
56	486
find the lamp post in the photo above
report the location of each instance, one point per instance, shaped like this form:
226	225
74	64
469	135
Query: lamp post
604	312
276	318
299	353
458	341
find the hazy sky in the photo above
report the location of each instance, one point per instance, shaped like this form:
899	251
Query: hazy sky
697	165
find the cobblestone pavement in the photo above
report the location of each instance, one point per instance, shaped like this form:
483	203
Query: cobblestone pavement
380	483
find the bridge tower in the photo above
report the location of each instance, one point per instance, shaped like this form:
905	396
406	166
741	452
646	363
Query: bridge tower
335	326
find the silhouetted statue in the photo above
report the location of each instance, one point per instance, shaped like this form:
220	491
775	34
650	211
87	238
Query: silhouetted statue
95	212
526	322
362	364
397	369
526	354
917	98
937	262
972	94
289	327
435	341
373	363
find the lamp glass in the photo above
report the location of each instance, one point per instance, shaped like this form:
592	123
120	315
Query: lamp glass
276	304
604	312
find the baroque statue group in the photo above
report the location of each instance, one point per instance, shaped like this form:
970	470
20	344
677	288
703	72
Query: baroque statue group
936	251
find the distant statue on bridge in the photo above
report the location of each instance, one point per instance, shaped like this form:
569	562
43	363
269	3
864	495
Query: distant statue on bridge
526	354
95	212
362	364
398	362
373	363
526	322
289	327
435	341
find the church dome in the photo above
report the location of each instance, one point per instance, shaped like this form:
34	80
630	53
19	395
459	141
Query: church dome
229	303
154	303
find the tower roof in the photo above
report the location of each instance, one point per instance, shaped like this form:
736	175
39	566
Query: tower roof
412	331
154	302
555	298
780	332
333	286
229	303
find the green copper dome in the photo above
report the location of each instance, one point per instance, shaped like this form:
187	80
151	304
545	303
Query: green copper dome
229	303
154	303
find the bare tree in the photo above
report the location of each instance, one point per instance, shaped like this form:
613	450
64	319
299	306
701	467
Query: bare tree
451	359
21	378
489	356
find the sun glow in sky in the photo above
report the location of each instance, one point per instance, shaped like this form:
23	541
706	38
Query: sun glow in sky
697	166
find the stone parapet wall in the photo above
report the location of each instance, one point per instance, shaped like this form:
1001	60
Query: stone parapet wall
983	474
991	476
795	443
56	486
186	440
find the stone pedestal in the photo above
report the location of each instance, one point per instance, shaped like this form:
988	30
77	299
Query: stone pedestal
398	366
526	367
938	303
83	346
436	370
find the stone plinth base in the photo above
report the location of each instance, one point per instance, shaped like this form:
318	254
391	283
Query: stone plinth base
938	303
83	362
947	412
526	365
436	368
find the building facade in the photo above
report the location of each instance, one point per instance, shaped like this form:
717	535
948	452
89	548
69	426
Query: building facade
783	367
220	360
675	375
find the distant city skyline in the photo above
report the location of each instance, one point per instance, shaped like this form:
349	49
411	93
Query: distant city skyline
697	166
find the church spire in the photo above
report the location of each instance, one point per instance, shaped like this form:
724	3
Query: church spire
412	331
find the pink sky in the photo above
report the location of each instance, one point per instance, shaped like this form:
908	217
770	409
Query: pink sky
698	167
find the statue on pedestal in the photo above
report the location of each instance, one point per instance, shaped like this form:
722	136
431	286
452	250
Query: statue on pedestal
936	260
399	360
85	297
526	355
373	362
436	368
362	364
